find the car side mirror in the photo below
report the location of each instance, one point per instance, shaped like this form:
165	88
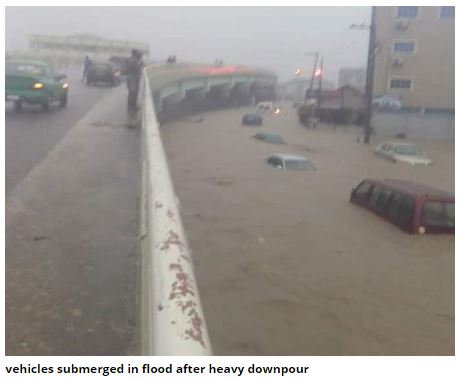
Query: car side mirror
60	77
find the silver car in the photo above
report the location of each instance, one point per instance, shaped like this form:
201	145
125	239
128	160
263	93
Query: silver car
290	162
403	152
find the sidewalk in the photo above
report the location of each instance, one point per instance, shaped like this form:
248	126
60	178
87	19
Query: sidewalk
71	241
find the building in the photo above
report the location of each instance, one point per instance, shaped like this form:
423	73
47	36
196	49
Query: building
415	56
353	76
296	88
73	49
347	97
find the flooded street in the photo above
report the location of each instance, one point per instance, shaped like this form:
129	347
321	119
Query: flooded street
286	265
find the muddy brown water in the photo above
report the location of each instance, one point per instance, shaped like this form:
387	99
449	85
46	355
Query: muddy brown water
286	265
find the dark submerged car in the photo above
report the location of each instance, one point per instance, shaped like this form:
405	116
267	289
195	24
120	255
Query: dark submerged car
252	119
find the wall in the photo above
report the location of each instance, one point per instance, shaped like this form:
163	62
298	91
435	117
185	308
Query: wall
436	125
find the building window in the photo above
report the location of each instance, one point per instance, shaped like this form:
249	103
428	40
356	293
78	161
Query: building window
401	84
404	47
407	12
447	12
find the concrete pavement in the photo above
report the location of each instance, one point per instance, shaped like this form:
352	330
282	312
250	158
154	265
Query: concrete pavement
71	241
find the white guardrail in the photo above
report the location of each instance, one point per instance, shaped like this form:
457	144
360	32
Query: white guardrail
172	320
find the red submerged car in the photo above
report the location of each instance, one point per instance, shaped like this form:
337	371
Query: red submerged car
413	207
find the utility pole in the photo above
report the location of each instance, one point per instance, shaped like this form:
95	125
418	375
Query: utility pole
316	54
369	73
320	83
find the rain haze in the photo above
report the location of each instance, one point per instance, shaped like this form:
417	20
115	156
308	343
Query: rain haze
275	38
230	181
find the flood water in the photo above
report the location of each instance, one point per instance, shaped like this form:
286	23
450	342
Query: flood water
285	264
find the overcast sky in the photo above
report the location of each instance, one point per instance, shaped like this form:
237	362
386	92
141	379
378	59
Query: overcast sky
276	38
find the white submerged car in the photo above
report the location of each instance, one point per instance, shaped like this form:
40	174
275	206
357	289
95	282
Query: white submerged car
403	152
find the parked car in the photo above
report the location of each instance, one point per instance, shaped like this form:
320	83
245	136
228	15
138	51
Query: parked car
105	72
265	106
34	82
269	137
290	162
252	119
403	152
412	207
386	102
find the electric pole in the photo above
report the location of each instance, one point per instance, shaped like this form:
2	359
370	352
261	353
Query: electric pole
316	54
320	87
369	74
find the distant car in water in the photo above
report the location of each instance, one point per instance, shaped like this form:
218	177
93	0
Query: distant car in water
265	106
269	137
290	162
386	102
105	72
403	152
34	82
252	119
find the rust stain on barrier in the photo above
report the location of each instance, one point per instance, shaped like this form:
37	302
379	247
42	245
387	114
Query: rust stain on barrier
173	239
170	215
180	289
195	332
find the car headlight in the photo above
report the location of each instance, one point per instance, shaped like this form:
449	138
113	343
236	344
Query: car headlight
37	86
64	85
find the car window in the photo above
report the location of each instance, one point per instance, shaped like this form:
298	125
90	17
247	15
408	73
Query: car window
406	211
375	196
383	199
408	149
439	214
299	165
272	161
395	204
25	69
363	188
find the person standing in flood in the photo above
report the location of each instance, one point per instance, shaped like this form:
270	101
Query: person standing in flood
133	72
86	65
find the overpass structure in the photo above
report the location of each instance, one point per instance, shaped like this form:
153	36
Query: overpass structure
198	87
83	276
172	320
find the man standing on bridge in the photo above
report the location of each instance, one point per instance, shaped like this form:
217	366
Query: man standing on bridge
133	72
86	66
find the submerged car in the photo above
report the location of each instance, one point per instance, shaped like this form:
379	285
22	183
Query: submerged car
412	207
269	137
403	152
105	72
252	119
34	82
290	162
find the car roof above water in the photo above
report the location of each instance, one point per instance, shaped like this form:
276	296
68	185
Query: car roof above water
414	189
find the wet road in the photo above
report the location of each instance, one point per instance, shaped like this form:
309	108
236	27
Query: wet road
286	265
30	135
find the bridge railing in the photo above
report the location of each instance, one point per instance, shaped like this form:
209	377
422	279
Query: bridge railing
172	320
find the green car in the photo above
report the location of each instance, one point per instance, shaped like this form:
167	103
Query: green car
34	82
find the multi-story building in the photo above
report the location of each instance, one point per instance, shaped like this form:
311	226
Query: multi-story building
415	55
73	49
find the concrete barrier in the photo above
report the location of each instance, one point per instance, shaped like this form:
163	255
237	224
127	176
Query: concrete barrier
172	320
